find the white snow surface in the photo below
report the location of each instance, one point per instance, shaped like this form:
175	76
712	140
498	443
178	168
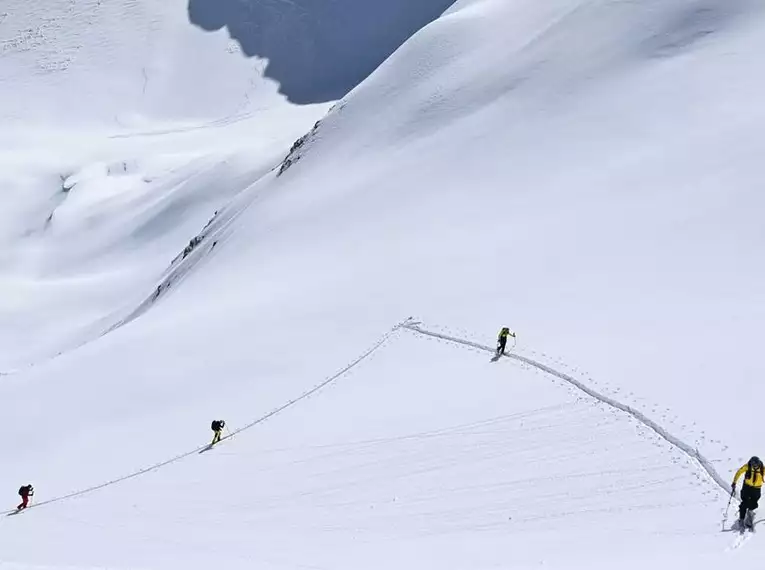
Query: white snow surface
585	172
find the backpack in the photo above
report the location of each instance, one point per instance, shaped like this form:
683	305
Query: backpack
750	472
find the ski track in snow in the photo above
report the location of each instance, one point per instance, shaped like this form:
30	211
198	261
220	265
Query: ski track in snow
414	327
676	442
739	541
235	432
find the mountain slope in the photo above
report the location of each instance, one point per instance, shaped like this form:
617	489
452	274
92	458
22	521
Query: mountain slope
584	172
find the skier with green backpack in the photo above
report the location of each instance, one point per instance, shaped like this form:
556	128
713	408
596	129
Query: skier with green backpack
502	341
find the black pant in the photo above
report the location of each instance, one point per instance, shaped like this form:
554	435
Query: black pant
501	344
750	497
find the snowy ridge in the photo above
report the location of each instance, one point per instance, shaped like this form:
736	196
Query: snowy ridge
642	418
233	433
200	246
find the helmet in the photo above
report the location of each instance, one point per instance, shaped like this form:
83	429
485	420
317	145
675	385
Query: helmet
755	462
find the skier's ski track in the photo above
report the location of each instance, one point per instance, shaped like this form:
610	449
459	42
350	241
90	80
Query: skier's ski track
414	327
235	432
680	445
740	540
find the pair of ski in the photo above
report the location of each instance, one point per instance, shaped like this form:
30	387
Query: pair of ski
210	446
741	527
746	525
500	352
744	532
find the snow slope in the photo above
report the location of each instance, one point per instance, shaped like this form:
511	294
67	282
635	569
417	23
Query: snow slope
125	63
401	466
124	130
584	172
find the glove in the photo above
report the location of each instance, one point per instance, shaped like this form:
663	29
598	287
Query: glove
733	489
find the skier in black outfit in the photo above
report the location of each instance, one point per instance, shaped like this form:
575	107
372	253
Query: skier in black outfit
217	426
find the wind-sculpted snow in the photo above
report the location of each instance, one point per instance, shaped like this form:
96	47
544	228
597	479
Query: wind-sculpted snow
695	22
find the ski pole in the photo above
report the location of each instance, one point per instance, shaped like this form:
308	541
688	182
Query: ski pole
727	508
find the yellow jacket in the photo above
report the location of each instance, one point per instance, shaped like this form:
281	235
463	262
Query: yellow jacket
754	480
504	333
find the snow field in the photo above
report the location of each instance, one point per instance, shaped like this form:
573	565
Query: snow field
586	172
418	445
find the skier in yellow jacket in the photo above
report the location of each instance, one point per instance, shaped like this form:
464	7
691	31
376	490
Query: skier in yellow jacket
502	340
750	491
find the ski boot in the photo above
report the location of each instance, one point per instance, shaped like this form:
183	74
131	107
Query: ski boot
749	520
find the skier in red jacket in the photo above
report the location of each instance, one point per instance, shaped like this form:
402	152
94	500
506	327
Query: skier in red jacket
25	492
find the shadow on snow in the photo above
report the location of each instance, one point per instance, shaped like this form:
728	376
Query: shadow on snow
318	50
